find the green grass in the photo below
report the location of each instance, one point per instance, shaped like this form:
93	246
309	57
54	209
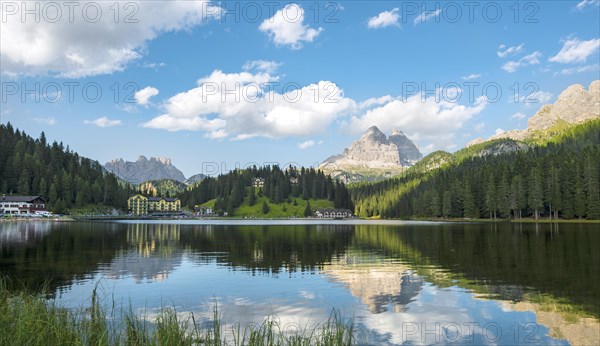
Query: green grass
276	210
28	319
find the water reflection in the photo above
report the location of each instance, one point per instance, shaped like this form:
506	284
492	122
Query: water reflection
26	233
379	284
151	254
397	281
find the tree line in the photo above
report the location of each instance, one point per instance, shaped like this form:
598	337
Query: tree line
560	179
231	189
62	177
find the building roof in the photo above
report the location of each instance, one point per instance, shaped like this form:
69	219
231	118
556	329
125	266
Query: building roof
333	210
17	199
156	199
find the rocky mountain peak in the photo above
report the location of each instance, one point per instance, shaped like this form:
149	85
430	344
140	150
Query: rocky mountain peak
164	160
374	151
396	132
373	134
144	170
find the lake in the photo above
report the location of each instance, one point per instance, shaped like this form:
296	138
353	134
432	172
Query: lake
400	282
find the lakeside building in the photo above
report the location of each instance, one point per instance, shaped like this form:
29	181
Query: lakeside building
142	205
22	205
330	213
203	211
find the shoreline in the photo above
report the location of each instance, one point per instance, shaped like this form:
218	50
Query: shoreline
303	219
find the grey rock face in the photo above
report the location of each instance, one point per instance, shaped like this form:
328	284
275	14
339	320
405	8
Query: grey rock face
144	170
376	151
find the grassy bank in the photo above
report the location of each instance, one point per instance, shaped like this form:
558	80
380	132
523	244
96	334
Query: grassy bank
28	319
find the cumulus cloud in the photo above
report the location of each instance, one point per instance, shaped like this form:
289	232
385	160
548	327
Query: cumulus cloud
385	19
246	105
518	115
79	44
143	96
422	119
531	59
287	28
103	122
575	51
504	51
499	132
425	16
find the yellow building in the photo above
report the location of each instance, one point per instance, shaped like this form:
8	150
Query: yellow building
142	205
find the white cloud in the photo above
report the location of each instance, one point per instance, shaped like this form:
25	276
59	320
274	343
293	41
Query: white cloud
479	127
307	144
499	132
531	59
587	3
580	69
287	28
262	66
374	101
504	51
385	19
471	76
47	121
103	122
244	105
425	16
73	46
154	65
422	119
519	116
143	96
575	50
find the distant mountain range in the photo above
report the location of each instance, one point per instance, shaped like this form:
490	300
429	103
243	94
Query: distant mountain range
153	169
374	156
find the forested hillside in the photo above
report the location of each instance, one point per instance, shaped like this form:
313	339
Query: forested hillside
559	179
231	189
63	178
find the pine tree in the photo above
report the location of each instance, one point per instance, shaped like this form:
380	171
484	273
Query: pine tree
536	193
265	207
593	188
447	204
308	211
252	197
490	197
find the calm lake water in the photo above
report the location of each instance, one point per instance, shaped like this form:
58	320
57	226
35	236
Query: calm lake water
402	283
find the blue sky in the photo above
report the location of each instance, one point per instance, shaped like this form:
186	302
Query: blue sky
287	82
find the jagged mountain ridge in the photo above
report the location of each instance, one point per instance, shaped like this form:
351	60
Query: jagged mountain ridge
143	169
374	154
573	106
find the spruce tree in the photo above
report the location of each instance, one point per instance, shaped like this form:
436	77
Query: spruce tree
307	210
